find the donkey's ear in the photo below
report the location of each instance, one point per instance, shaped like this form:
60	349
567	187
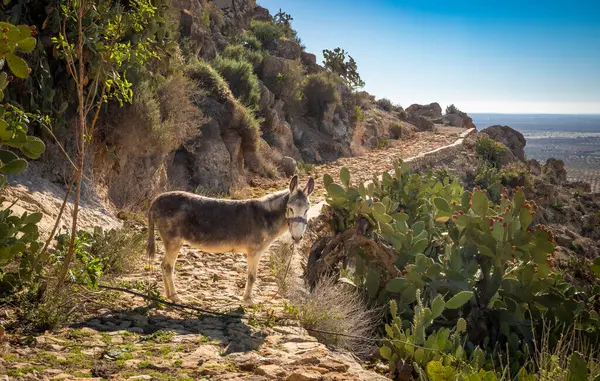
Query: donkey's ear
294	184
310	187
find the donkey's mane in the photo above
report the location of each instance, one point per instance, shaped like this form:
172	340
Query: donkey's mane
274	201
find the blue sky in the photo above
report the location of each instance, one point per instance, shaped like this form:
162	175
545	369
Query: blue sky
482	55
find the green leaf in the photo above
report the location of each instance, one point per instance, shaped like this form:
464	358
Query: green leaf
14	166
381	217
385	352
525	218
459	300
395	285
480	203
419	246
437	307
596	266
17	65
27	45
578	368
442	204
34	147
33	218
461	326
335	190
345	176
327	180
7	156
3	80
5	134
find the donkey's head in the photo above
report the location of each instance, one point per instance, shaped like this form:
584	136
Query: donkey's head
297	207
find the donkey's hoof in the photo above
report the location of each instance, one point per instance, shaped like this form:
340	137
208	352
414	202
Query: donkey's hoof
175	298
248	301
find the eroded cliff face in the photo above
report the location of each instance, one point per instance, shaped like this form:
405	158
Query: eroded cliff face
193	134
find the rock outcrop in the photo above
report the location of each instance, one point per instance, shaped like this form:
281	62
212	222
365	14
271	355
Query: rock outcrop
508	136
554	171
458	119
432	110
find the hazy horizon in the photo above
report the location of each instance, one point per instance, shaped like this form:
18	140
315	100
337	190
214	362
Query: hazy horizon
484	57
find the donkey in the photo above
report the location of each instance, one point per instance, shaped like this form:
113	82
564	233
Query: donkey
220	226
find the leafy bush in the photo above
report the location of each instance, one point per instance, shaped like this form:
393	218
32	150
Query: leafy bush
101	253
208	79
397	130
385	104
409	232
266	32
321	94
238	52
284	21
287	84
242	81
335	60
19	247
515	175
359	114
489	151
249	41
451	109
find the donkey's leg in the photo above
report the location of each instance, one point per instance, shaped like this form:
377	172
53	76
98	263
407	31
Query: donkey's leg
252	259
172	247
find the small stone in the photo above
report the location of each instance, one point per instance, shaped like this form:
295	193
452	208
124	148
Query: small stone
125	324
140	377
304	376
270	371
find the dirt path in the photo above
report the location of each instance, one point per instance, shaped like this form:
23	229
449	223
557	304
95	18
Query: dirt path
122	340
364	167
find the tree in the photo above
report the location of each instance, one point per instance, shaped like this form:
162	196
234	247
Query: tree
99	41
336	62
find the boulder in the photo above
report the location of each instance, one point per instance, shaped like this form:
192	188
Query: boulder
289	166
432	110
272	66
261	14
420	122
288	49
510	137
458	119
554	171
535	167
309	61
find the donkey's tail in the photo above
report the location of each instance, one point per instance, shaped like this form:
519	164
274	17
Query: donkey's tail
151	246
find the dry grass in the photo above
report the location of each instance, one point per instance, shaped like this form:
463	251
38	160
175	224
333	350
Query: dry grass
331	306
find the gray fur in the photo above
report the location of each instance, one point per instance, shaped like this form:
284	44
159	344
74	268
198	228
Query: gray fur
218	225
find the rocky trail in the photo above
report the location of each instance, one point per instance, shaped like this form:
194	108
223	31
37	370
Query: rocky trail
121	339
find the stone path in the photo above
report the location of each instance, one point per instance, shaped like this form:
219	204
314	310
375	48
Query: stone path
122	340
362	168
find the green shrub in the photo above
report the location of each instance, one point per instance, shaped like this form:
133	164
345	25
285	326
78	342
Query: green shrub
242	119
321	94
208	79
451	109
335	60
489	151
397	130
242	81
359	114
385	104
266	32
487	177
287	85
239	52
516	175
250	42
